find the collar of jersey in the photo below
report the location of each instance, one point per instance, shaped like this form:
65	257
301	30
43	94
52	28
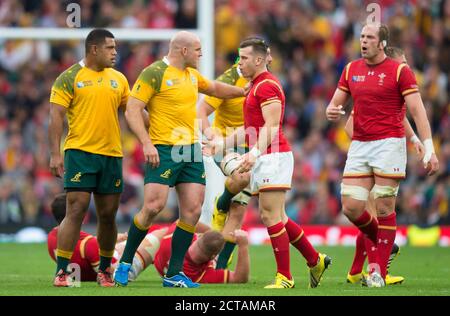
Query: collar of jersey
166	61
239	71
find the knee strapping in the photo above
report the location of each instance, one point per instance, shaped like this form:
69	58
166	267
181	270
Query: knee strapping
154	245
382	191
355	192
242	197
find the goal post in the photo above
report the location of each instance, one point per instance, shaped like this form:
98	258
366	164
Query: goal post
205	30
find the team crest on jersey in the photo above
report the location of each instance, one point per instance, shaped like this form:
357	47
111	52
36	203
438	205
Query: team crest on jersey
114	83
381	80
194	80
358	78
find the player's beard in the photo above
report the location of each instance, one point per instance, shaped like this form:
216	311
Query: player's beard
193	65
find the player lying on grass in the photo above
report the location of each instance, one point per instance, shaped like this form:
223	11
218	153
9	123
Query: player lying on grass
200	261
86	253
156	248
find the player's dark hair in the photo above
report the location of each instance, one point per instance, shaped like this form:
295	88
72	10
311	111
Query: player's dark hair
258	44
394	52
213	242
96	37
58	207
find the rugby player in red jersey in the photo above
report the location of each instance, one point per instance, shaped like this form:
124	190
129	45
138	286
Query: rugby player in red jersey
87	251
200	264
271	163
379	86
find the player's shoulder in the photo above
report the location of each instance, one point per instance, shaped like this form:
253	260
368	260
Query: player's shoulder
354	64
230	76
155	69
391	63
153	74
267	81
116	73
67	78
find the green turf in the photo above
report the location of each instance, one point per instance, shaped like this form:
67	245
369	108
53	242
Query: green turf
26	269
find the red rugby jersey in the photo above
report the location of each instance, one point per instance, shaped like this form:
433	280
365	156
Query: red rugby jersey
203	273
378	93
265	89
86	253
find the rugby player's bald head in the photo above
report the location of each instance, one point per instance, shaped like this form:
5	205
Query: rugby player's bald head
185	50
183	39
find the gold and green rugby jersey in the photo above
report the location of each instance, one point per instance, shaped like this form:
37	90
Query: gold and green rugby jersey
171	97
229	112
92	100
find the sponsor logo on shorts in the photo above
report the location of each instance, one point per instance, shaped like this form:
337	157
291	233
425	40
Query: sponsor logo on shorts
118	182
76	178
166	174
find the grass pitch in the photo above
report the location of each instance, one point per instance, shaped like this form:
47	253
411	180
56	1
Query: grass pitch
26	269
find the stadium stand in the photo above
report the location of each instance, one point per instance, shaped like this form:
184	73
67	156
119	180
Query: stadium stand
311	43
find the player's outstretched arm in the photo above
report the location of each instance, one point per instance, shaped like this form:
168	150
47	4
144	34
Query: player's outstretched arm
223	91
337	103
133	114
412	137
242	271
418	113
55	131
219	144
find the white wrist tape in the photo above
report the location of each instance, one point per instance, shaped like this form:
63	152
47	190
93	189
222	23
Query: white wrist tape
414	139
255	152
428	144
219	145
429	150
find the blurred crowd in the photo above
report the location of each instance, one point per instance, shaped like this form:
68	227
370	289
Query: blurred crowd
311	42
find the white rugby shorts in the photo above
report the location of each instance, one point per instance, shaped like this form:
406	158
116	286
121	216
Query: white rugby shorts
272	172
385	158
